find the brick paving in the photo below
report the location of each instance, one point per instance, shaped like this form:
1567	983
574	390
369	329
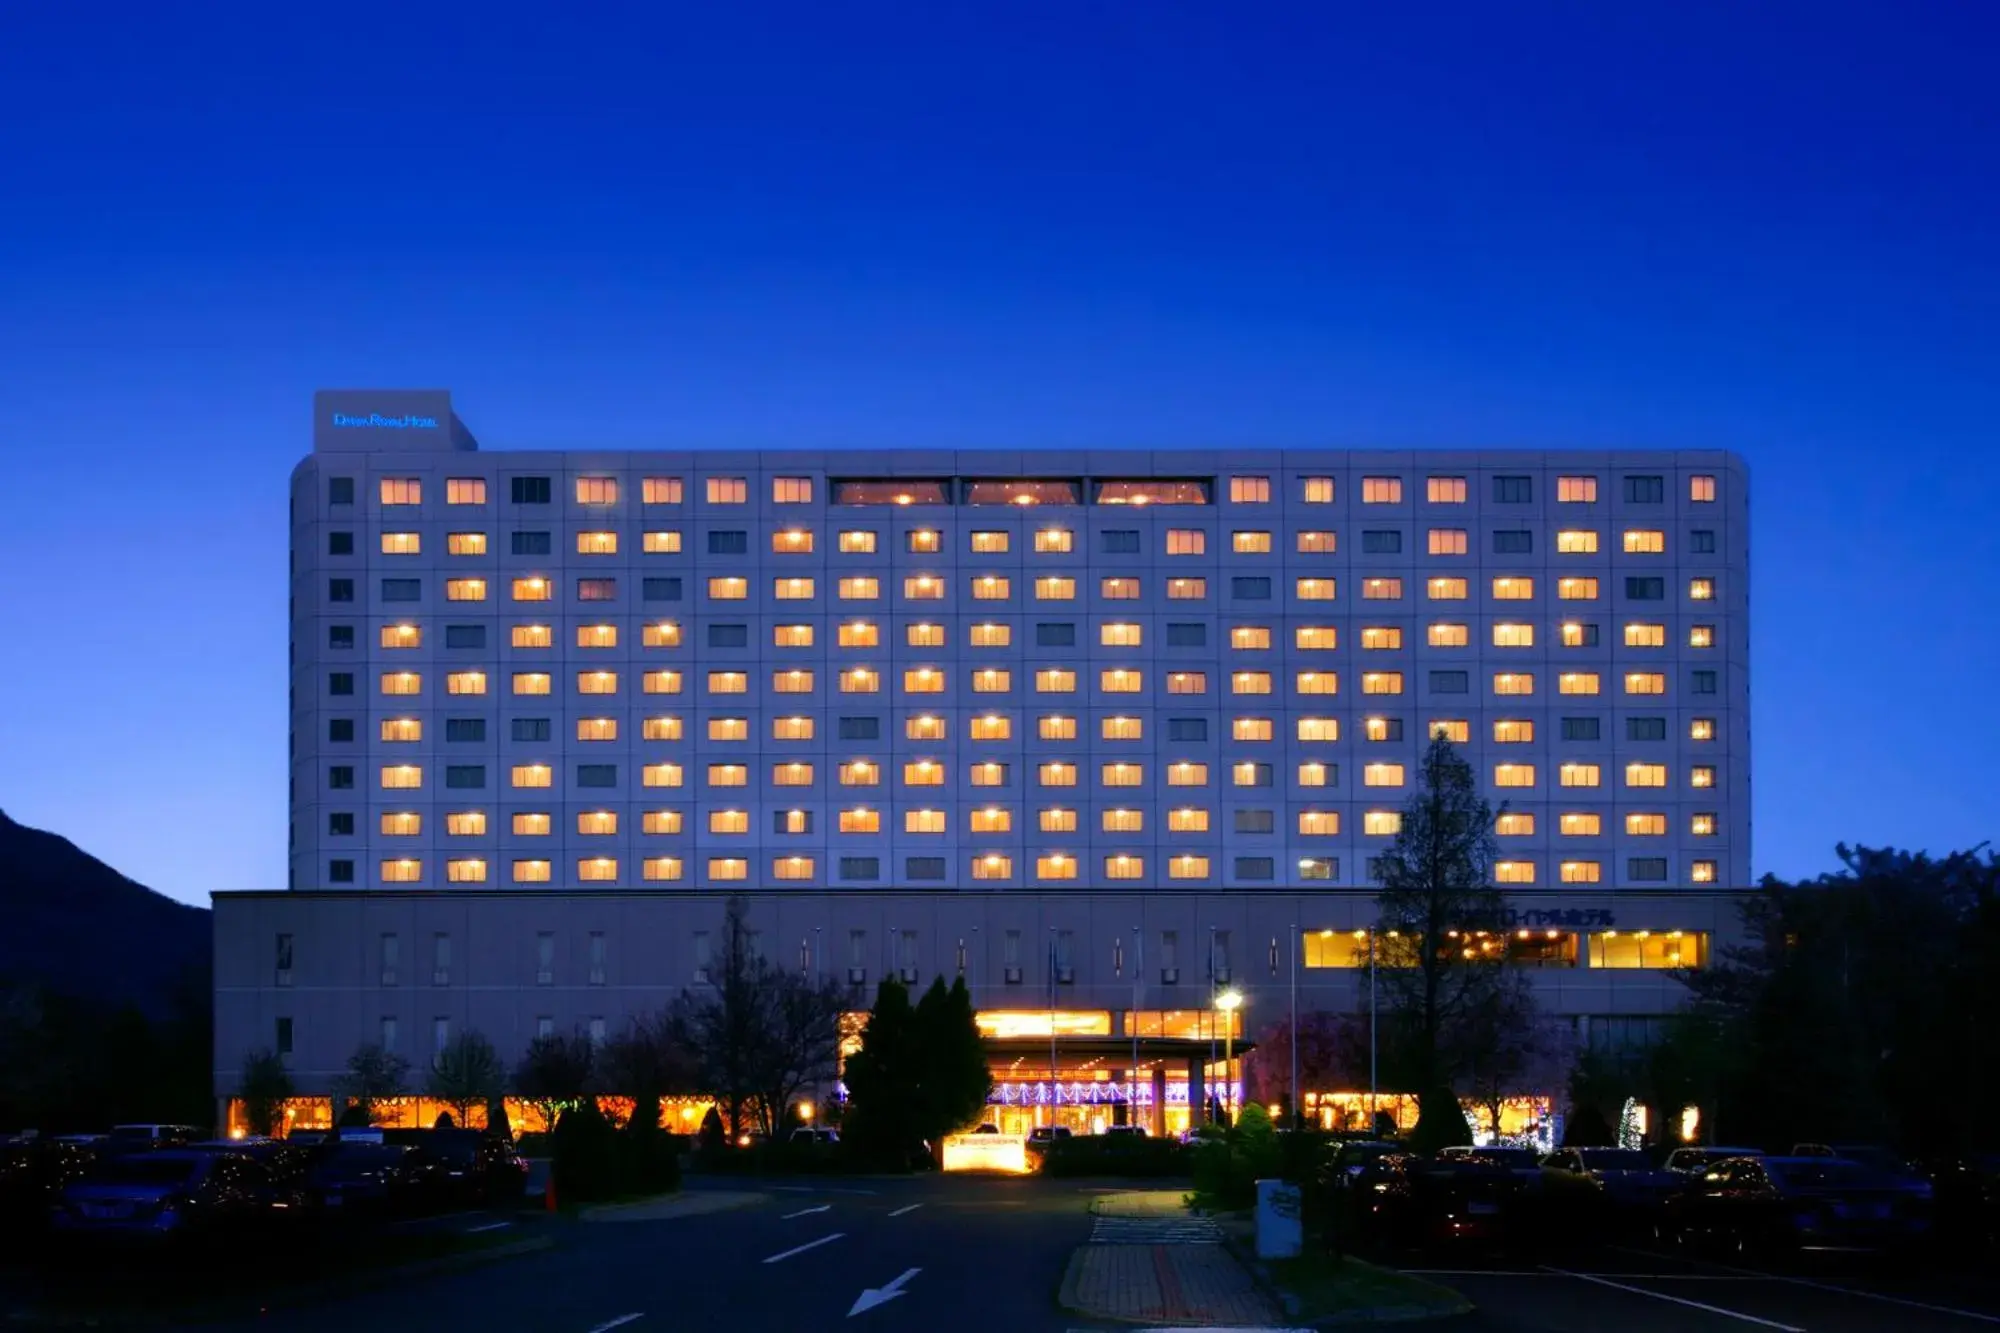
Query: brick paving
1149	1261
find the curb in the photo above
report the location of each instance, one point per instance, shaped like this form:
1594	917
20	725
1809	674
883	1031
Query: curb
1260	1273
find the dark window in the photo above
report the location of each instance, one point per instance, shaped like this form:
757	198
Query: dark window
1055	634
1513	490
779	819
1583	636
1391	729
1121	541
1382	543
340	730
1374	868
1255	867
1255	821
729	636
340	490
860	728
1250	588
465	636
1646	867
1645	589
1704	682
1701	541
1645	490
340	872
340	636
597	590
1643	728
531	490
340	825
923	867
1450	682
340	590
402	590
530	728
465	730
1513	541
728	543
340	682
660	590
1187	728
340	777
1580	728
1187	634
532	543
340	543
283	1036
597	775
861	867
465	777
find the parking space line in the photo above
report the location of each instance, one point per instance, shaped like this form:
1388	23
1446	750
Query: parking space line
1678	1300
809	1245
1837	1289
906	1208
807	1212
619	1322
490	1226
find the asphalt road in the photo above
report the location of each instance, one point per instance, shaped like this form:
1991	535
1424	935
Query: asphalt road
961	1253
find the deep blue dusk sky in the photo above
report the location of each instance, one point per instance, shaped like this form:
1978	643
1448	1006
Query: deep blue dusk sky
1770	227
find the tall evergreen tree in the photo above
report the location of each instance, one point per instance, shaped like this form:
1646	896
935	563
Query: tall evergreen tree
884	1079
954	1078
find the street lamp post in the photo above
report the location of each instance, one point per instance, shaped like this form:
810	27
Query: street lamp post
1297	1097
1228	1003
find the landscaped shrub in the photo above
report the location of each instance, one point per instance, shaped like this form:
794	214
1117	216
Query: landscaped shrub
1116	1155
586	1154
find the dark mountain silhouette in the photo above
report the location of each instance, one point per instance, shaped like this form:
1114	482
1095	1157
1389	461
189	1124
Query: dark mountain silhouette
74	926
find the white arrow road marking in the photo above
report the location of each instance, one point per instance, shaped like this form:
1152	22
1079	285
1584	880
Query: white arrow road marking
809	1245
622	1319
874	1296
807	1212
906	1208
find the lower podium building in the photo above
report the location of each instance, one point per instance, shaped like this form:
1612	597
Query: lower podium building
1112	734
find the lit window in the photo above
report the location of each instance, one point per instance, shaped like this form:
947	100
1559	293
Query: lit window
1376	682
924	727
1318	490
531	825
727	867
1641	635
1445	491
1701	825
1701	872
1186	541
1701	636
1646	825
1513	588
1055	865
728	775
533	589
1514	872
1645	682
1382	823
1319	637
862	634
465	682
596	490
1123	866
1381	590
660	543
922	634
797	589
1576	490
989	543
992	680
1317	589
402	543
465	491
1050	540
1244	728
597	636
465	823
728	490
992	819
1377	637
992	866
1053	588
860	680
401	491
402	636
1701	729
923	587
857	541
1187	819
597	543
1249	490
1575	774
1581	872
860	588
1514	824
1513	682
1446	590
531	872
597	682
1447	541
1444	635
402	729
1508	731
597	728
1317	543
1645	775
1186	773
1701	490
1056	819
1701	590
531	775
1250	682
923	821
923	680
1382	775
729	682
596	822
1513	775
1457	731
791	541
1579	824
1055	680
404	824
791	636
1056	773
1187	682
401	682
662	775
1577	590
660	490
1121	728
1317	682
793	774
466	543
1577	682
1510	635
1118	588
658	868
1122	635
1186	590
1187	866
728	588
923	541
729	728
661	729
1248	543
1381	490
403	870
791	490
792	728
992	727
862	820
1574	542
666	634
1055	728
1318	729
1701	775
923	773
1319	823
1121	775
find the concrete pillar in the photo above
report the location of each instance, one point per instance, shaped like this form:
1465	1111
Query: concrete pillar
1197	1091
1159	1101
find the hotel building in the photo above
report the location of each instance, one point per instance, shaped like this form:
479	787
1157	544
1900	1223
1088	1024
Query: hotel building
1099	730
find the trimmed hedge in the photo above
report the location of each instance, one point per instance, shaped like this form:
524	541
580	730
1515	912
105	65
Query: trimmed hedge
1116	1155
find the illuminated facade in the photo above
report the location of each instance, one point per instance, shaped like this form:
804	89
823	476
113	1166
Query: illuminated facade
1033	716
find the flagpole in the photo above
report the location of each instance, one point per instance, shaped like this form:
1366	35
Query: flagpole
1372	1093
1297	1096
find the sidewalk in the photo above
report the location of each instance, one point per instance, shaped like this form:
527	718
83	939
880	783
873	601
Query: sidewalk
1150	1262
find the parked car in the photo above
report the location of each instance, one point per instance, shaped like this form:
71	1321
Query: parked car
126	1137
1771	1205
173	1193
464	1166
33	1174
814	1136
366	1179
1041	1136
1622	1177
1124	1131
1697	1161
286	1161
1524	1163
1399	1200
